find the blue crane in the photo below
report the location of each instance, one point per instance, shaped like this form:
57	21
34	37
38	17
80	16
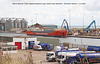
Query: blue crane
87	29
65	26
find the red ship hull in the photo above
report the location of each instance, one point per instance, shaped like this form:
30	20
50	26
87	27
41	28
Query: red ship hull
59	33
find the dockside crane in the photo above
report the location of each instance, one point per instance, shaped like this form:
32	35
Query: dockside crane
88	28
65	26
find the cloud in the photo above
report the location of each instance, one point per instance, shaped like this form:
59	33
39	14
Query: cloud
94	5
51	14
14	0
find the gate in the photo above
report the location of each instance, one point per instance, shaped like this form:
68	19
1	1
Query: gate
19	44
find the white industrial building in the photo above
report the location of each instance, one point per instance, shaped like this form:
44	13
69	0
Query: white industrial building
21	41
24	41
13	43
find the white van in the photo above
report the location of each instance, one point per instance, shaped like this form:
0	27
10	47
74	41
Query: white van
37	47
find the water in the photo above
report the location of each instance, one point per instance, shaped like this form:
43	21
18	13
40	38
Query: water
70	40
12	34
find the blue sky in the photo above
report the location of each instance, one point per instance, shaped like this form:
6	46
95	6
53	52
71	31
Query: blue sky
53	14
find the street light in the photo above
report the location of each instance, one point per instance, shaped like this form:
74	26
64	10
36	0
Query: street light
25	43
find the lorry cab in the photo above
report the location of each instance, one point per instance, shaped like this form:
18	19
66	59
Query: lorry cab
50	56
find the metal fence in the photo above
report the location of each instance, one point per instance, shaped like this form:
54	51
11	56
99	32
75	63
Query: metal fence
69	45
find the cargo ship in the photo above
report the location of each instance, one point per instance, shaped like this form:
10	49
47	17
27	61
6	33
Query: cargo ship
56	33
39	30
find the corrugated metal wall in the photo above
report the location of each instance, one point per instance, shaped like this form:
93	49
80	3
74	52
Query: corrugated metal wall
8	39
53	41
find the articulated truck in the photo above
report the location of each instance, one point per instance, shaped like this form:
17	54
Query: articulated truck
61	58
51	56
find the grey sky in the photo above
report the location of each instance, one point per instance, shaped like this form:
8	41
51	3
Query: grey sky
53	14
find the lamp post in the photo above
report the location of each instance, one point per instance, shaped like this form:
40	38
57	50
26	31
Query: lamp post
25	43
81	41
75	42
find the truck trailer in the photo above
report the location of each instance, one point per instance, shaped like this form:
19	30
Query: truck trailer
93	48
43	46
51	56
84	58
72	59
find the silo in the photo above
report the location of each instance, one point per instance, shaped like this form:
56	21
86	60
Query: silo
0	25
8	24
13	19
23	23
3	24
16	23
